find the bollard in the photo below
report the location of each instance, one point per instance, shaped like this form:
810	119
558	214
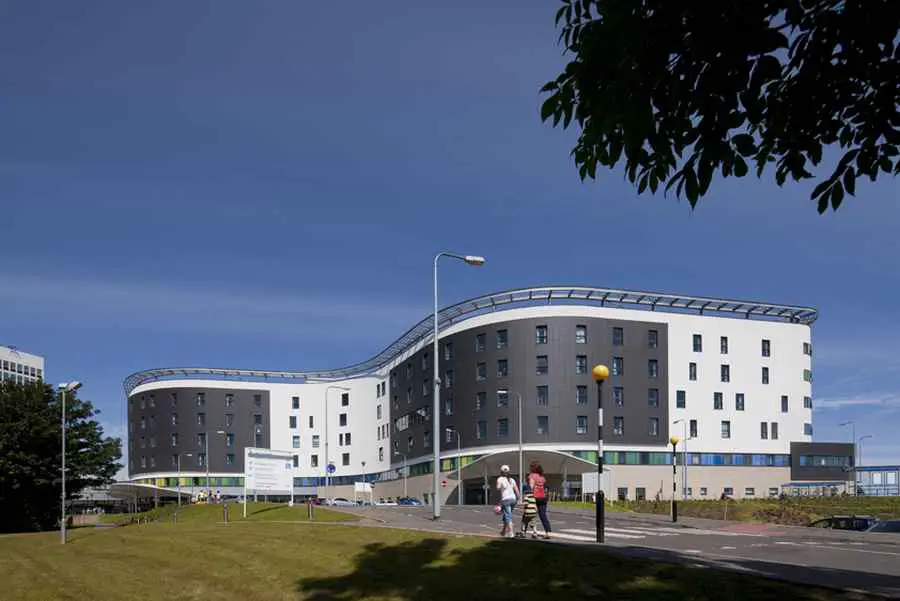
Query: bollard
225	511
310	510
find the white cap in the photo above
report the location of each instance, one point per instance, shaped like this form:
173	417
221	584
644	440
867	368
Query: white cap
504	468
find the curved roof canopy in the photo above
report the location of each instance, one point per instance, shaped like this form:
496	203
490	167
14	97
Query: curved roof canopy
509	299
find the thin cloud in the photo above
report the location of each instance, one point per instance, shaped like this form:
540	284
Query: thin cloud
883	401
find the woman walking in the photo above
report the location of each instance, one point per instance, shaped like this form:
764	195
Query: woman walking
538	485
509	494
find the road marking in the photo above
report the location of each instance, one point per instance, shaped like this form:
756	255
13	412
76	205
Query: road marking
729	548
693	551
641	531
811	542
704	532
592	535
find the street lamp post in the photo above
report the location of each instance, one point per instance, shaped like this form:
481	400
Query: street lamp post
327	447
459	481
674	441
436	433
63	389
600	374
405	495
364	481
858	460
852	425
684	461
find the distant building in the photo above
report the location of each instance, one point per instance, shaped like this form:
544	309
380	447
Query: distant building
20	367
878	480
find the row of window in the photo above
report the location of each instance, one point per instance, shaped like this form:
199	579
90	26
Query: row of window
640	493
725	373
739	401
765	346
20	368
200	461
16	378
149	400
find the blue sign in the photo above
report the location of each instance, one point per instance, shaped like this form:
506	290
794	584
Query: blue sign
330	468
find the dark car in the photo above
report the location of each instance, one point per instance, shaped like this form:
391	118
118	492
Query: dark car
857	523
886	526
409	501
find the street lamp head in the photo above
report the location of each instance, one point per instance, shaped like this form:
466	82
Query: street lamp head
474	260
70	386
842	424
600	373
674	440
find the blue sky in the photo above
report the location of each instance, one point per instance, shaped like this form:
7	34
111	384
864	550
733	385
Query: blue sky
224	183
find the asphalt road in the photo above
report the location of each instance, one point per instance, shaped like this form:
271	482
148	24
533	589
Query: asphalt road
863	562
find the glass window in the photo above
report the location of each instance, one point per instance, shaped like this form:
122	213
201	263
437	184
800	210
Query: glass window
543	395
201	440
652	338
723	345
692	428
739	401
653	427
292	421
502	368
342	419
773	430
378	412
503	398
692	372
764	430
502	339
807	348
725	373
618	366
448	351
807	375
543	425
480	342
426	387
502	427
448	405
784	403
481	397
312	422
257	400
424	362
580	365
345	458
313	461
173	439
481	430
409	371
174	418
448	378
718	402
807	429
698	343
295	441
581	424
653	397
618	426
581	395
765	375
807	402
345	399
580	334
201	419
295	402
618	336
618	396
201	399
540	335
652	368
726	429
229	440
315	441
543	365
766	348
680	399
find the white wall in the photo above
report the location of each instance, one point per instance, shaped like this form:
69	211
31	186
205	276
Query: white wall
14	357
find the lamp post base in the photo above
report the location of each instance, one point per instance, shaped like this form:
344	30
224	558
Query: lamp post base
601	515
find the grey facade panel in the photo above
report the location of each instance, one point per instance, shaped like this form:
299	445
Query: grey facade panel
562	409
819	473
155	439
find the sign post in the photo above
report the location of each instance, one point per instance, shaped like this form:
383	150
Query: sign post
269	471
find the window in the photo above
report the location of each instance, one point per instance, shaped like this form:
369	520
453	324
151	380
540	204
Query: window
315	441
773	430
502	427
540	335
652	368
152	461
424	362
378	412
201	440
257	400
345	459
383	388
448	378
764	430
480	398
380	453
726	429
749	491
347	439
580	334
502	368
449	435
543	366
174	397
725	373
313	461
640	493
481	430
342	419
723	345
345	399
448	351
296	459
618	396
581	395
292	421
698	343
448	405
581	424
173	439
692	428
580	365
503	398
201	399
653	427
652	338
174	418
258	440
426	387
807	402
409	371
653	397
618	366
718	402
543	396
152	398
739	401
807	375
408	395
618	426
807	349
765	375
680	399
502	339
295	402
692	372
784	403
543	425
479	343
295	441
766	348
311	422
426	439
807	430
618	336
201	420
229	440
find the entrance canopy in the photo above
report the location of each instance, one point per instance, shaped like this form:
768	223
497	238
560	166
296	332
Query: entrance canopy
135	490
553	462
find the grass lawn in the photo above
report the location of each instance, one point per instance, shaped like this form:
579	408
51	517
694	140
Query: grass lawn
189	514
264	561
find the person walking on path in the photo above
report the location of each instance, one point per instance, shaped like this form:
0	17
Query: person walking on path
509	494
529	513
538	485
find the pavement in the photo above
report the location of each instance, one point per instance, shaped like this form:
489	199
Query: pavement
868	563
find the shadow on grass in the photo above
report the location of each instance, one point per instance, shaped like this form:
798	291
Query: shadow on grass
438	569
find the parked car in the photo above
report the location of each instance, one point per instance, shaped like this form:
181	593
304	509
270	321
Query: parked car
409	501
886	526
340	502
857	523
386	503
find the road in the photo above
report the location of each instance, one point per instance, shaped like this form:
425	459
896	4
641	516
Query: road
868	563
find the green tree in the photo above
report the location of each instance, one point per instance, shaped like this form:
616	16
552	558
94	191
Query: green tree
30	458
687	90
